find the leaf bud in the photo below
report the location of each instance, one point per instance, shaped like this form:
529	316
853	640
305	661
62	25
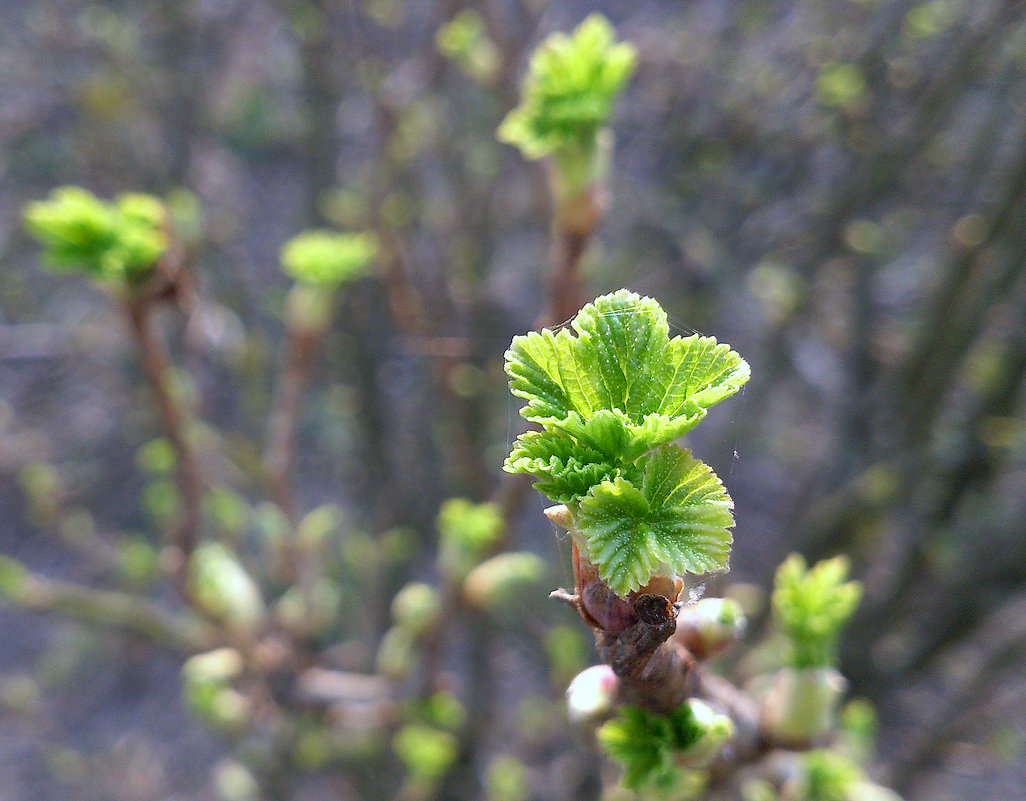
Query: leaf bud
416	608
309	309
494	583
715	730
800	704
310	610
710	626
591	694
223	589
395	654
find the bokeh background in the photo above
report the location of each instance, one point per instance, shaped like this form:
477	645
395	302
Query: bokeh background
836	188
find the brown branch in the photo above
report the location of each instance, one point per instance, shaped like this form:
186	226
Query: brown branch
293	379
174	419
106	608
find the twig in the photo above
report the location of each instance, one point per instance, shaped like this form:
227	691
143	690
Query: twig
281	433
174	420
108	609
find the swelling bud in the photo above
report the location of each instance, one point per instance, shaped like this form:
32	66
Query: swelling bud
710	626
800	705
591	694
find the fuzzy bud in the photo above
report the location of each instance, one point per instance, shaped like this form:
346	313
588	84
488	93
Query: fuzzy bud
496	581
395	655
309	309
223	589
867	791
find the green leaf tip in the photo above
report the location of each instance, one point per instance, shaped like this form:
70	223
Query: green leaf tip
327	259
571	85
119	241
812	605
611	391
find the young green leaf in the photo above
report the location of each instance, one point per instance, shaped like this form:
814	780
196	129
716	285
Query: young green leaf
641	742
568	469
571	86
621	384
327	259
645	742
812	605
678	521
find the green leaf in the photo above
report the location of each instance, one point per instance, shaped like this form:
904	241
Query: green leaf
677	521
571	86
621	383
812	605
568	469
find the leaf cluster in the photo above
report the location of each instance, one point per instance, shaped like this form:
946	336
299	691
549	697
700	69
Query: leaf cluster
326	259
571	86
120	241
645	743
611	392
812	605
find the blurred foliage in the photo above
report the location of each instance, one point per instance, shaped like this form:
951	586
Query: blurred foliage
571	85
327	259
120	241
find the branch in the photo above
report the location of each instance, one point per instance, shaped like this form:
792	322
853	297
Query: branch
281	433
174	420
105	608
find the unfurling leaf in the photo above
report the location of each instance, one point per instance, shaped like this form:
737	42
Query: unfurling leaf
571	86
119	241
327	259
812	605
621	385
677	521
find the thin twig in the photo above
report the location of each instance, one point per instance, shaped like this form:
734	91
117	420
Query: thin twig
281	433
174	419
109	609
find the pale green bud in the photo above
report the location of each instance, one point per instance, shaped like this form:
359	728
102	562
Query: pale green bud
494	583
223	589
221	664
309	309
801	704
417	608
710	626
395	654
